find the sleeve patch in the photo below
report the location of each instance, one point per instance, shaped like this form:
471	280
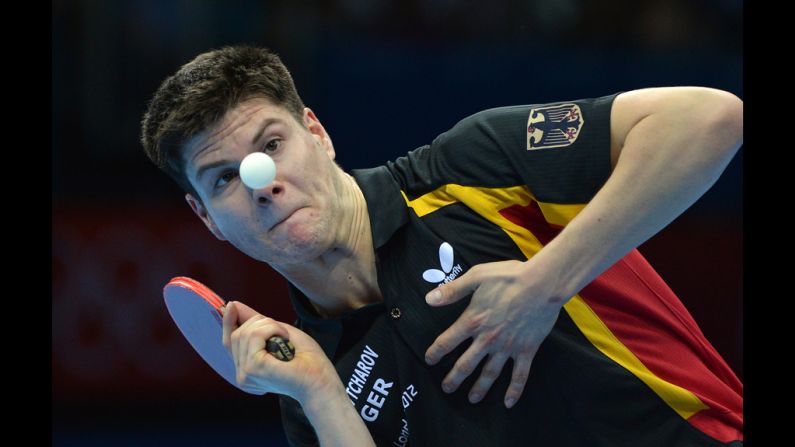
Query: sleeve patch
553	126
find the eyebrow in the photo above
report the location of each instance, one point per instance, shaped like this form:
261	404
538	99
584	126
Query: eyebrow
209	166
265	124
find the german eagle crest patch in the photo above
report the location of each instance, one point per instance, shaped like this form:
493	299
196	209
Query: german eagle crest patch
554	126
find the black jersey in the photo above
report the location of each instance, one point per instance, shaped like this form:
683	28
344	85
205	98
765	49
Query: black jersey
624	365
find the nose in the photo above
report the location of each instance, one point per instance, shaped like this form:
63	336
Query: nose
266	194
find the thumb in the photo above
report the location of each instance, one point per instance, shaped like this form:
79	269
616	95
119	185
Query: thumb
452	291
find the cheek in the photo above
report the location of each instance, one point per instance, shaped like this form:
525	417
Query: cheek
232	220
313	178
328	174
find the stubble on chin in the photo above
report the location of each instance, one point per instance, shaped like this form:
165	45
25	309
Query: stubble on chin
299	244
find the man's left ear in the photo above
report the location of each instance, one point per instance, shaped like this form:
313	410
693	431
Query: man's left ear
199	209
317	130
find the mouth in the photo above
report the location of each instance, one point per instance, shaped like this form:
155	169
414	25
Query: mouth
284	218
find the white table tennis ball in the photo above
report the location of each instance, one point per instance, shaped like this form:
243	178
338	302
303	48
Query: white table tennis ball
257	170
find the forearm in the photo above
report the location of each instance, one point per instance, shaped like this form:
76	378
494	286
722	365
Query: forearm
669	160
335	420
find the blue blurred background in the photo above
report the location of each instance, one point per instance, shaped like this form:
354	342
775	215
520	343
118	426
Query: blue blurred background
385	77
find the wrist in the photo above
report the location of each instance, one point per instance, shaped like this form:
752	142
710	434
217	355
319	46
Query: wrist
328	408
549	267
322	392
334	418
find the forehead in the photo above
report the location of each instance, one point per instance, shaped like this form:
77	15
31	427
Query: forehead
241	120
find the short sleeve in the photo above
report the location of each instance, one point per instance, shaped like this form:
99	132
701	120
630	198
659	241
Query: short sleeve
560	150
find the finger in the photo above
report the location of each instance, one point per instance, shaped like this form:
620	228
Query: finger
256	364
448	340
229	324
245	313
245	336
488	375
253	343
259	333
230	330
463	367
521	371
454	290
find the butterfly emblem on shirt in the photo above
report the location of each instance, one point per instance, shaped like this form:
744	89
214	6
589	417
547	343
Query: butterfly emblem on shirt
448	271
554	126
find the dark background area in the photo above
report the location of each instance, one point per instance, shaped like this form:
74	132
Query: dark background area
384	77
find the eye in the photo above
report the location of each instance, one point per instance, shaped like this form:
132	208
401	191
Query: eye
272	145
225	178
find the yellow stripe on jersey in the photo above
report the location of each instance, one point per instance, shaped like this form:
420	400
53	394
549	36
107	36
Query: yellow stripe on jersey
681	400
559	214
488	202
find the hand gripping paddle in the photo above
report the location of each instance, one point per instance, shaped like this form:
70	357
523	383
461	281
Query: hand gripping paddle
197	311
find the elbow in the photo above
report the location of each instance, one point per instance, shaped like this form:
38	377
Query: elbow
732	118
726	123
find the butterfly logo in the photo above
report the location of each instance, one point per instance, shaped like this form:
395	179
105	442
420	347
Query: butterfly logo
448	271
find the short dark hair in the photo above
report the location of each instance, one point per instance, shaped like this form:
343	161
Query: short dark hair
202	91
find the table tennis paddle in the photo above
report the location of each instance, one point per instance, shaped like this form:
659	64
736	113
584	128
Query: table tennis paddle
198	313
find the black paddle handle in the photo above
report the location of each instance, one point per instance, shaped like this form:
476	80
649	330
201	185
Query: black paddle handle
280	348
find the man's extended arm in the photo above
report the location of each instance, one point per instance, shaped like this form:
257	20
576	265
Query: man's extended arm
668	147
334	418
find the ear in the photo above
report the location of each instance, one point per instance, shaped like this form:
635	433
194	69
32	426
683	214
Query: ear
201	211
317	130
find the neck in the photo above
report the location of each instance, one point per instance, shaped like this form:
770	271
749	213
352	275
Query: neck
344	277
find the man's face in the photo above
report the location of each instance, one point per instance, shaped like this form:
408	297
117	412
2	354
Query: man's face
286	222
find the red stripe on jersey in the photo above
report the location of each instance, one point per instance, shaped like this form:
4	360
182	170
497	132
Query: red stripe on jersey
645	315
532	218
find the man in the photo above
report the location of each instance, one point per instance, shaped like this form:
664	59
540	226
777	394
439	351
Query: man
492	215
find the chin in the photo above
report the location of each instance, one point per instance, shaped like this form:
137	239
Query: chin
298	255
295	250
